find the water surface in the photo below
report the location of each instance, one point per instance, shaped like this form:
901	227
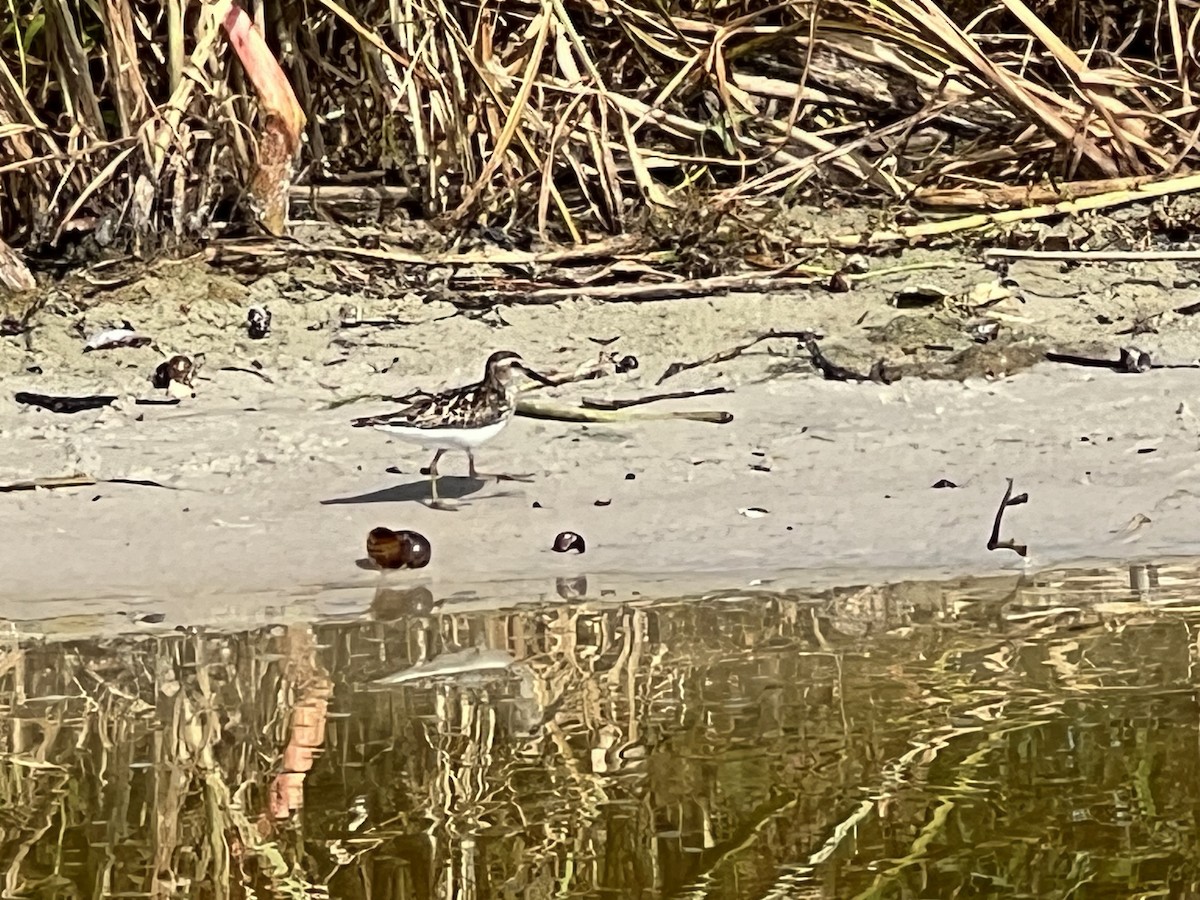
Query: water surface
1019	736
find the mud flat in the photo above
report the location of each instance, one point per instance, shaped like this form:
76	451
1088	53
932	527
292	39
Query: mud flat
267	492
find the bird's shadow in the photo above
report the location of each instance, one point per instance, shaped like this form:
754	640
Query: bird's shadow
450	487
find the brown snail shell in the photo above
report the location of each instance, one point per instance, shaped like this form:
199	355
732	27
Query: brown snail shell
398	549
568	541
179	369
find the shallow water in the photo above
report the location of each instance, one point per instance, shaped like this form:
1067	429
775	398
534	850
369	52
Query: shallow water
1018	736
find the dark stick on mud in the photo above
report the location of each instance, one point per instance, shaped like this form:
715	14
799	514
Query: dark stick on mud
78	480
263	375
651	398
994	542
831	371
65	405
71	405
1130	362
733	352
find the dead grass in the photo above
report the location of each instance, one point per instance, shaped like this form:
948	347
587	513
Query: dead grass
159	125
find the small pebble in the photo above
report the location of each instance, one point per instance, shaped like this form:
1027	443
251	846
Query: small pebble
258	322
568	541
838	283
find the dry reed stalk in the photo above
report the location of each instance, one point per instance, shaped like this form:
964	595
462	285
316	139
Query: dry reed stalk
1184	184
14	274
565	115
282	120
1006	196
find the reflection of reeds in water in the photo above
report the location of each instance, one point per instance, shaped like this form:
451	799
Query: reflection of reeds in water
733	745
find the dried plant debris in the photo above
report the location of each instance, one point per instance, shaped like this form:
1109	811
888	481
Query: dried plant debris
830	371
733	352
66	405
540	409
77	480
592	403
919	113
49	482
994	541
1130	361
71	405
255	369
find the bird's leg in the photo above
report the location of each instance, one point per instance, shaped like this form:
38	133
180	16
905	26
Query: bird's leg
435	501
485	476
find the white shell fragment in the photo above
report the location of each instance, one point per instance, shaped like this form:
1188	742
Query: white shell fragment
116	337
753	512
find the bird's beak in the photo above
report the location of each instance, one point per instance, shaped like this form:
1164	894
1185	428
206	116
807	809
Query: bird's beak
536	376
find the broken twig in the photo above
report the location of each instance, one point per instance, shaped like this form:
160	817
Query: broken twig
66	405
733	352
245	371
76	480
651	398
542	410
831	371
994	542
1130	362
1095	255
70	405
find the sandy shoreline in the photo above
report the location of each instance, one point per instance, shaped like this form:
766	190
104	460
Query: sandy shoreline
270	492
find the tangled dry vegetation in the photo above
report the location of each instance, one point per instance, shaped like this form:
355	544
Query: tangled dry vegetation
155	125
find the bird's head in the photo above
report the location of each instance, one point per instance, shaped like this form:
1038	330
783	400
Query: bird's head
504	367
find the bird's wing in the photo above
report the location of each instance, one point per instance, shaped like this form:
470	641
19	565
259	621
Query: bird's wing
408	415
455	408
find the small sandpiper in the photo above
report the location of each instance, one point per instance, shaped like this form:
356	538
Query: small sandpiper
462	418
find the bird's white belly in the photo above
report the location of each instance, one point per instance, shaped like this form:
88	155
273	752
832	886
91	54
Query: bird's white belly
445	438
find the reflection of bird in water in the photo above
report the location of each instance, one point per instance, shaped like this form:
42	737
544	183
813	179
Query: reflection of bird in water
479	666
613	756
473	665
